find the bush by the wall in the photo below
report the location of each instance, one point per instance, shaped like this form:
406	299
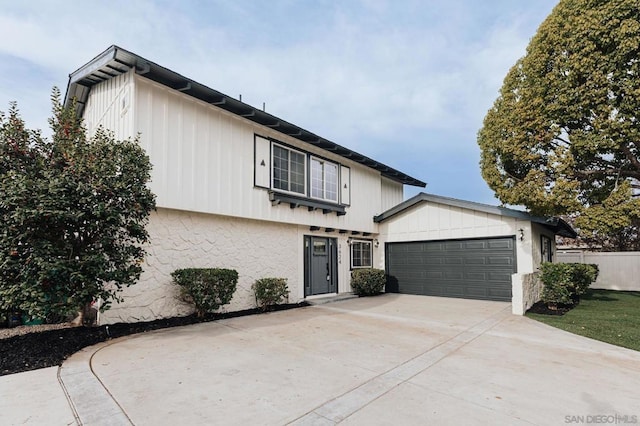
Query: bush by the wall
206	288
367	282
270	291
583	275
564	283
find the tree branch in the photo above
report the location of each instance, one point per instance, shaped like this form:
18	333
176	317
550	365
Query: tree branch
629	154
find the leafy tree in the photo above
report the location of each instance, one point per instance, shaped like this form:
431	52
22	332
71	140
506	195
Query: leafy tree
73	212
563	137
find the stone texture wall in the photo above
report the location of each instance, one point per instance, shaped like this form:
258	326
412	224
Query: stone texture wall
526	290
256	249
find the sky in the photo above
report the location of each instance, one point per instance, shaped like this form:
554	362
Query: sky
405	82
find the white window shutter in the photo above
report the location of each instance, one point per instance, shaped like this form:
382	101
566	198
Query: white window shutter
262	166
345	185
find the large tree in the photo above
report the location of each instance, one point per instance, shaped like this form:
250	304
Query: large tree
72	214
563	137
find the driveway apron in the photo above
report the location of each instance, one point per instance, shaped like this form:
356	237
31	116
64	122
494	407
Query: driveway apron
391	359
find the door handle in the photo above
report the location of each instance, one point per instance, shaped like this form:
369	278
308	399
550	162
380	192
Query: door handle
328	274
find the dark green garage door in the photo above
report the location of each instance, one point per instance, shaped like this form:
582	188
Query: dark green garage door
471	269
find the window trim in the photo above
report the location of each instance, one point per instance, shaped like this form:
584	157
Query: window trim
295	199
323	161
306	169
352	246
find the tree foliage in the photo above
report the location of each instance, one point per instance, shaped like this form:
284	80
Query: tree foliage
563	137
73	212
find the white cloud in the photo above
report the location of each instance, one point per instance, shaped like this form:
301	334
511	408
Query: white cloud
420	74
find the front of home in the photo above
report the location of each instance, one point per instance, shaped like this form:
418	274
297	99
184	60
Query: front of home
240	188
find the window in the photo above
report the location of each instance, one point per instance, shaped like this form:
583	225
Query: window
545	247
288	170
319	247
324	180
361	254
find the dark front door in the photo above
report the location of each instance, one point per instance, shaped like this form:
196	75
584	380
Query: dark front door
321	265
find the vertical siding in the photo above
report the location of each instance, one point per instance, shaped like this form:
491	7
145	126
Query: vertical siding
203	161
433	221
391	194
111	105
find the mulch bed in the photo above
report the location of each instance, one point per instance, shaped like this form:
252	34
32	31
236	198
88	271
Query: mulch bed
543	309
49	348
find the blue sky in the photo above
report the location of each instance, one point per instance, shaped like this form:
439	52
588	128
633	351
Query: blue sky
405	82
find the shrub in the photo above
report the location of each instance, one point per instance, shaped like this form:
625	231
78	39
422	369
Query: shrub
270	291
556	280
583	275
367	282
564	283
206	288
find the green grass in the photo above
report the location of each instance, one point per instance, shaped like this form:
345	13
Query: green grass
606	315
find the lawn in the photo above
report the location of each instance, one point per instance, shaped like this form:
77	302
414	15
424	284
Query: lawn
605	315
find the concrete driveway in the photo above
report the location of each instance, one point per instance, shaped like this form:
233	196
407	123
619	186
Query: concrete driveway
392	359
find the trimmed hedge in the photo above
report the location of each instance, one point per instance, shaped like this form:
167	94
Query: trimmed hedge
564	283
270	291
368	282
206	288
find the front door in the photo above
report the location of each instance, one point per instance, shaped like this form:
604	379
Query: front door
321	265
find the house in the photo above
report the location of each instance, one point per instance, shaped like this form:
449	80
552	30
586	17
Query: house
240	188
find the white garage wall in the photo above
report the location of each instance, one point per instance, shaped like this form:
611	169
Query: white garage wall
434	221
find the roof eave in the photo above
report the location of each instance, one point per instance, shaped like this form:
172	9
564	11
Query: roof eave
116	60
555	224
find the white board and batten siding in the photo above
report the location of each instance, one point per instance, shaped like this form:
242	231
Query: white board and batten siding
433	221
110	105
204	160
391	194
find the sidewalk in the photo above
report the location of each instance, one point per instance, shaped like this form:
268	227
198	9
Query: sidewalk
34	398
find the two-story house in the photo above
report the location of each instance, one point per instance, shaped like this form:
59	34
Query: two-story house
240	188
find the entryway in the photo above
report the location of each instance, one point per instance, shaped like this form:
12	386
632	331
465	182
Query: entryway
320	265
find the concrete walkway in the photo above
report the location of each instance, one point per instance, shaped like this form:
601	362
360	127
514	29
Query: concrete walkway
392	359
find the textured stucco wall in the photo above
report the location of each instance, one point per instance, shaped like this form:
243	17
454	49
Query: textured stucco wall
256	249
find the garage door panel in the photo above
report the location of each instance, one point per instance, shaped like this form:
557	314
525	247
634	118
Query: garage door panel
453	291
476	269
476	276
500	260
475	245
453	275
475	261
499	276
501	244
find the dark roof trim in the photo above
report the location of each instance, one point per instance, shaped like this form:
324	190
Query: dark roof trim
555	224
115	61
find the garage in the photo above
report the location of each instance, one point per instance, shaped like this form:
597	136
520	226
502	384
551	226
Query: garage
472	268
441	246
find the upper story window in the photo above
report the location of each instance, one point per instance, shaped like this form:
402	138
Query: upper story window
361	254
289	170
324	180
300	178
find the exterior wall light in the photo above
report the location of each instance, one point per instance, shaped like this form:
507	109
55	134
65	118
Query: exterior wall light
521	234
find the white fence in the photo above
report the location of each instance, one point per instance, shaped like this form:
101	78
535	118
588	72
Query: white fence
618	270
